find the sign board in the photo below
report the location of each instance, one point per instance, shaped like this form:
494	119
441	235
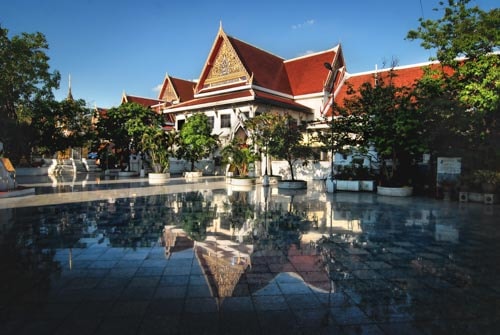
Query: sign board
448	169
449	165
7	165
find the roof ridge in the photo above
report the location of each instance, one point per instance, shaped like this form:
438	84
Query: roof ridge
312	54
142	97
401	67
255	47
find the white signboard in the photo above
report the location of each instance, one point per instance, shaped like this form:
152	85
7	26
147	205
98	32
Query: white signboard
449	165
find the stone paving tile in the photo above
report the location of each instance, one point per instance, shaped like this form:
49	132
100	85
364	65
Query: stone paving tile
393	276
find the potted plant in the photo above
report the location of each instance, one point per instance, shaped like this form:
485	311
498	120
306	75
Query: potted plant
158	145
261	129
287	143
342	135
391	122
195	140
488	179
238	156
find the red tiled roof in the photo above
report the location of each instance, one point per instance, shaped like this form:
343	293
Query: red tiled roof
146	102
308	74
268	70
280	101
405	76
184	88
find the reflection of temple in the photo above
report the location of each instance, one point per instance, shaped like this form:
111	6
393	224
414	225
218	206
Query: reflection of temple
175	240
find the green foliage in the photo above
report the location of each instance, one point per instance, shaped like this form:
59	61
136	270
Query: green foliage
239	155
469	94
286	141
196	141
61	125
261	129
25	82
343	132
134	125
159	145
392	123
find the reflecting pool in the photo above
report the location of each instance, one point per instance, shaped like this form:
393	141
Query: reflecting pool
92	255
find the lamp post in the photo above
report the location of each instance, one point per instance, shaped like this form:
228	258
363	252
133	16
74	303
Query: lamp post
330	183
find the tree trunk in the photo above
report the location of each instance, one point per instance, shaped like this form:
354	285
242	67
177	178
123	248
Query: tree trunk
291	169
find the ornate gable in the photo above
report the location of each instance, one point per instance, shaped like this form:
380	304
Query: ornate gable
168	92
223	66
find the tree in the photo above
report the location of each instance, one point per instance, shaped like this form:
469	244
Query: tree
261	130
25	81
159	145
196	141
286	141
392	123
343	133
124	126
61	125
465	40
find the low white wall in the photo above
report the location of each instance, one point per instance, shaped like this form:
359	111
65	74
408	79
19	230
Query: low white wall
179	166
312	171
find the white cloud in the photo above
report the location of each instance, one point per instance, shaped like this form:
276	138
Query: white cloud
308	52
157	88
303	24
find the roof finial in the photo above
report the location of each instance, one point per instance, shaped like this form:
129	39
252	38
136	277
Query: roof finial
220	25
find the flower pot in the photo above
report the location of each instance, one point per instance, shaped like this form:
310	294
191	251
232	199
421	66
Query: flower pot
158	178
242	181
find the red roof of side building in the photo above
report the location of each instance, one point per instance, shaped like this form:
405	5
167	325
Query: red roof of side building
404	76
184	88
306	74
146	102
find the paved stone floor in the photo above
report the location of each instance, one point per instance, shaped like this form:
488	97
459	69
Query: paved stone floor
90	255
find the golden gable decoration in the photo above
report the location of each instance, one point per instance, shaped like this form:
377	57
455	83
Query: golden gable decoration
170	94
227	67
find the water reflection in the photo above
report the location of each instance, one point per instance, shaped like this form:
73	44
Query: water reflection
257	242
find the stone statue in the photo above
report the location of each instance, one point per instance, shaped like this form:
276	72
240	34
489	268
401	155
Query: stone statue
7	173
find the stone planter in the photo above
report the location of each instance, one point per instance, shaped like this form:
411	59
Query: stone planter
242	181
404	191
292	184
273	180
158	178
193	174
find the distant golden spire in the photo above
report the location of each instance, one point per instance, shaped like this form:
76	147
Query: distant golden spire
70	96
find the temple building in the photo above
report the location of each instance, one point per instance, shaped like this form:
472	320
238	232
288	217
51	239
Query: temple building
240	81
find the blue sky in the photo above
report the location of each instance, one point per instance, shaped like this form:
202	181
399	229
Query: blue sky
110	46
